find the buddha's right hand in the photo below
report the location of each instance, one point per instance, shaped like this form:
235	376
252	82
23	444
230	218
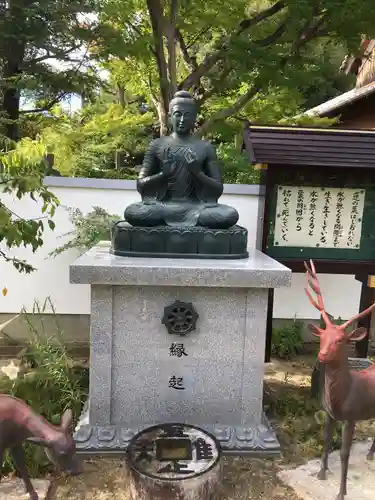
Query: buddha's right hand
169	163
168	167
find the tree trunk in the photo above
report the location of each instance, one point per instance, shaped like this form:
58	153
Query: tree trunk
11	102
121	96
204	487
170	30
158	24
163	118
13	56
119	159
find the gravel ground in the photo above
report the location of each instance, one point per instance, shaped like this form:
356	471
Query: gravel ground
244	479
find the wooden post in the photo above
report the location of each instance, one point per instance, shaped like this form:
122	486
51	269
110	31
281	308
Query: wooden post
265	182
204	487
269	325
367	298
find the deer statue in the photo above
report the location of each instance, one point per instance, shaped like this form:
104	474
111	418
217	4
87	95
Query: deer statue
348	395
19	423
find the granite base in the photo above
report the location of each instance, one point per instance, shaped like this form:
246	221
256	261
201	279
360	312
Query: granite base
256	440
142	374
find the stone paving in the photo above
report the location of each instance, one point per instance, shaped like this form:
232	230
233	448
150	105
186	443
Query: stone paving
361	477
13	489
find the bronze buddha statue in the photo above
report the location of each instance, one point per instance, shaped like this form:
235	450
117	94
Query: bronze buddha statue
180	184
180	179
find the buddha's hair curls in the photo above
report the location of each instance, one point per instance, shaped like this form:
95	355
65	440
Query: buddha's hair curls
182	96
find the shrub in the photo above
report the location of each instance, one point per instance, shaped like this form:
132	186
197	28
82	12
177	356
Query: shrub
50	381
89	229
287	340
236	168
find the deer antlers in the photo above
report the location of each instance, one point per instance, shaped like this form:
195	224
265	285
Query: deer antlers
314	284
359	316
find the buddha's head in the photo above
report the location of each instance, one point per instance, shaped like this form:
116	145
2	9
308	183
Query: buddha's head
182	112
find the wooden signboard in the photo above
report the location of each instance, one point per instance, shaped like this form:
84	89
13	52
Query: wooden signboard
319	200
310	216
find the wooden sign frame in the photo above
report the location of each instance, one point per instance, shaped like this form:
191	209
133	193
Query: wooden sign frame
324	158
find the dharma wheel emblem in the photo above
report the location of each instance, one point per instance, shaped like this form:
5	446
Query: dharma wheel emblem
180	318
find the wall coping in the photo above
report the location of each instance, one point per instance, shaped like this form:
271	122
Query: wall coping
130	185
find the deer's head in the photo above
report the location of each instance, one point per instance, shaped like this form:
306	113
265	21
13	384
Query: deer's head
61	449
333	338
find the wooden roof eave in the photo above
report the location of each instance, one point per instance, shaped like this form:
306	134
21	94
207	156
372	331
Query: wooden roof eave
310	146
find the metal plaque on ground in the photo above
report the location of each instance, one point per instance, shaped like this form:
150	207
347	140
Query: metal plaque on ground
171	452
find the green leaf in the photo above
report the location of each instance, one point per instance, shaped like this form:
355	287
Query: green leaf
24	177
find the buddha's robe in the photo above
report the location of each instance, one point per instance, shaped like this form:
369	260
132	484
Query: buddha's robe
182	199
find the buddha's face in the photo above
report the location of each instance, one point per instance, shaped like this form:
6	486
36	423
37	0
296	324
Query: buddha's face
183	118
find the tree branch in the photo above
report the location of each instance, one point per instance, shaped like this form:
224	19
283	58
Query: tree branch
171	45
20	265
211	59
139	32
157	23
270	39
198	36
62	55
152	93
215	89
228	112
264	14
47	107
191	62
62	94
310	31
207	95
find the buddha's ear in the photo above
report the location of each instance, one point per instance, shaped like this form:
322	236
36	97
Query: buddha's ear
169	120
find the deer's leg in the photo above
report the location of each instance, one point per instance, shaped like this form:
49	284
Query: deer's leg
347	439
1	460
370	454
19	460
327	438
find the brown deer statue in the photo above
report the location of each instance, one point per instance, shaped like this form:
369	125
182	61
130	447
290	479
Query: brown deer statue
19	423
348	395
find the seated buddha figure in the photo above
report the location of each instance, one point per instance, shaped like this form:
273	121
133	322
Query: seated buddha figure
180	181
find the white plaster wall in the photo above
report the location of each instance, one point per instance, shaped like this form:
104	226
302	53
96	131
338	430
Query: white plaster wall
341	297
51	279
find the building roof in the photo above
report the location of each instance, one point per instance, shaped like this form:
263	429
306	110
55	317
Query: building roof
314	146
340	101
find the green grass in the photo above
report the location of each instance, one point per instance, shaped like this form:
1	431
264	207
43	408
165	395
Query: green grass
50	381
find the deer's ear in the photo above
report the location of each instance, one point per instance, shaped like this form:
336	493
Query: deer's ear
357	334
315	330
67	420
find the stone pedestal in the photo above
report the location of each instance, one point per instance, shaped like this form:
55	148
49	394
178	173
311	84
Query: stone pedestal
141	375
